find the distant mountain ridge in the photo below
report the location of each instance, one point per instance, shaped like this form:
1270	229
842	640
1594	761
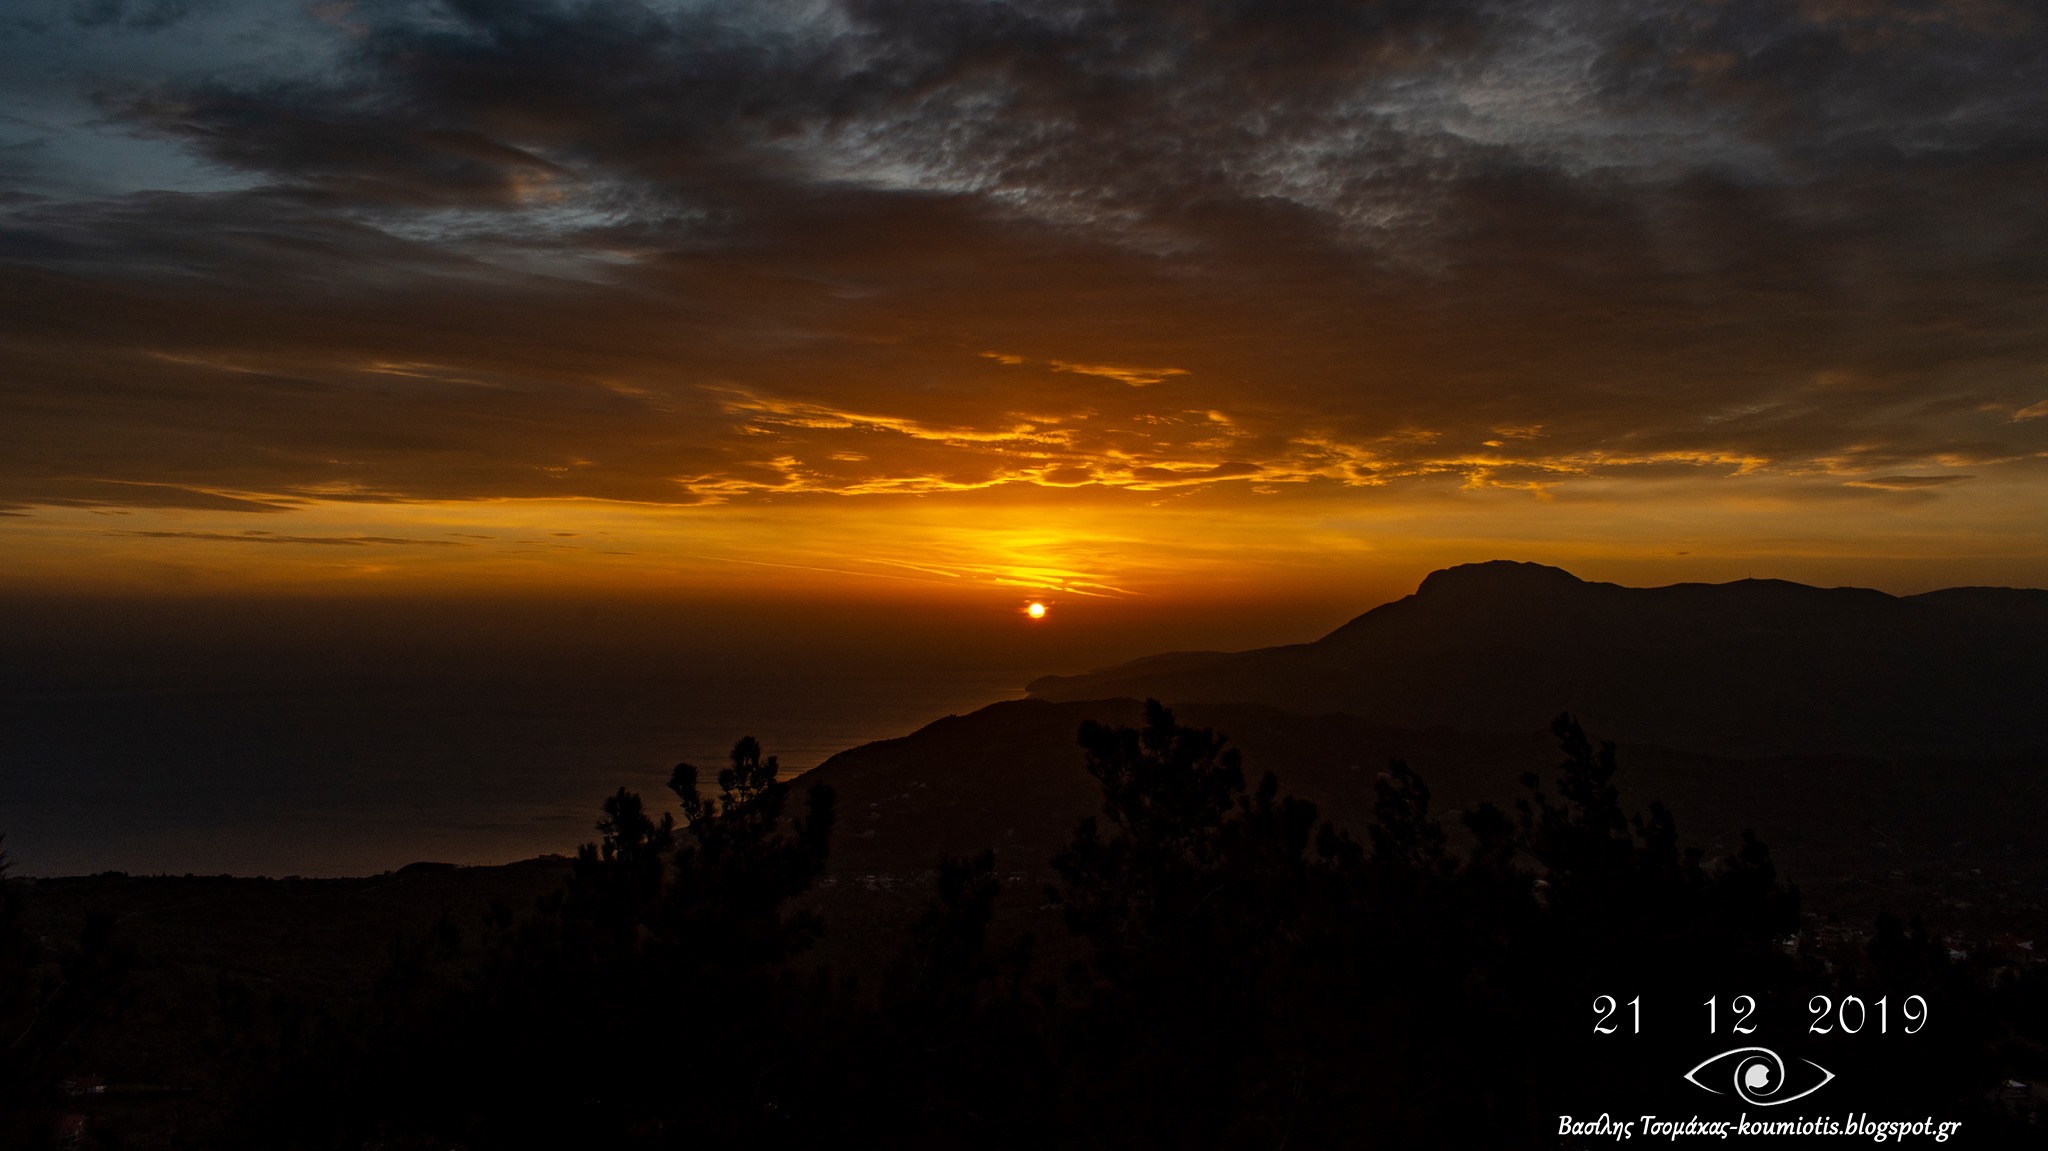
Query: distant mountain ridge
1754	667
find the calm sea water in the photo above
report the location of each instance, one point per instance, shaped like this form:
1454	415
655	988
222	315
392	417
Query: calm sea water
297	737
309	775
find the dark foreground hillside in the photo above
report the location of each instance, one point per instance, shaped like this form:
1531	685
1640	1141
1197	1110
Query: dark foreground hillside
1958	836
1206	961
1374	889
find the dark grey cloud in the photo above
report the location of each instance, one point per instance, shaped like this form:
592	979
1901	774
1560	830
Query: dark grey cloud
145	14
295	138
1830	83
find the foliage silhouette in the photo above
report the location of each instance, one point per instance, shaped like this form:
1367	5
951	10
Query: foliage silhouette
1235	973
55	1003
645	1005
25	1106
1190	902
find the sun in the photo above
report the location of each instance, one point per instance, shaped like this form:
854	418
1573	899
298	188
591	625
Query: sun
1035	610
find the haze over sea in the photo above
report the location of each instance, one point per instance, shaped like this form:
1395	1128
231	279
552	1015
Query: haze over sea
279	738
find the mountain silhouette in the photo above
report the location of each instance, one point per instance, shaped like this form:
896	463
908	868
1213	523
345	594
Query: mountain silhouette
1754	667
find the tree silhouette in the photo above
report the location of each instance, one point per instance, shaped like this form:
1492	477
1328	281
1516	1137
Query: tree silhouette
55	1003
24	1103
955	1051
1234	975
646	1005
1189	903
1254	979
739	864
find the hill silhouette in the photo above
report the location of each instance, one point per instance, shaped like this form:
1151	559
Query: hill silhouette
1254	917
1859	833
1754	667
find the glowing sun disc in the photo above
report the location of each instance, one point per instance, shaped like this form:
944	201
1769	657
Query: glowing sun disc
1035	611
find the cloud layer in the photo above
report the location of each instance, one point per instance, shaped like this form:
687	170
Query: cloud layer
709	254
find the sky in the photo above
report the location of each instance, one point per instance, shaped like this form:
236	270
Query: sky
968	303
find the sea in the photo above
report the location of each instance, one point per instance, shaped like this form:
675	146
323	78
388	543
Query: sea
255	743
353	778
